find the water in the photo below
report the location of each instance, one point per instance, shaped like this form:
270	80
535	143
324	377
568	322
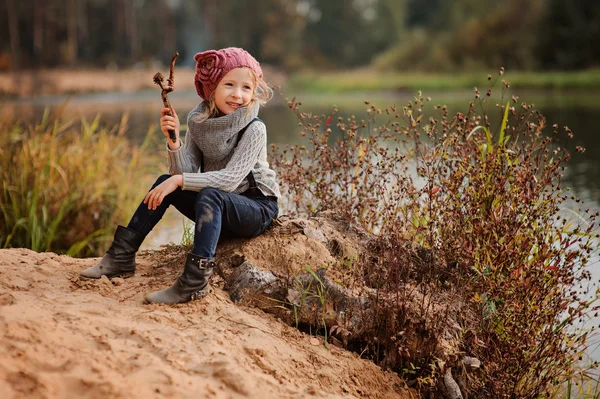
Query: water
577	110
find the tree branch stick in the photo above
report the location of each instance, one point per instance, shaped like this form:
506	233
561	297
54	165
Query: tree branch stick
159	79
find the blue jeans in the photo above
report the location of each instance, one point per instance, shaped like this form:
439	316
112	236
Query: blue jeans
217	214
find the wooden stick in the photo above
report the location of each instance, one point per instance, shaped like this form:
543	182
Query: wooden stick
159	79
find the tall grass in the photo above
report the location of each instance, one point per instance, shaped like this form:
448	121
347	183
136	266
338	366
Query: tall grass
66	184
487	208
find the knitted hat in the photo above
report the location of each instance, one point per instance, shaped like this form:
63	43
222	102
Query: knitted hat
212	65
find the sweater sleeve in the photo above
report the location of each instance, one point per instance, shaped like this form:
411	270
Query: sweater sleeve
241	163
186	158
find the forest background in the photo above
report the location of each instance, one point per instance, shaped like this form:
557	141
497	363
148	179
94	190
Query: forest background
296	35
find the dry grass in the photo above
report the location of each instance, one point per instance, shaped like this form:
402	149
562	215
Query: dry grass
62	184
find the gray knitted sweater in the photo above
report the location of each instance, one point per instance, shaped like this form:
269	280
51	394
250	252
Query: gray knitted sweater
225	165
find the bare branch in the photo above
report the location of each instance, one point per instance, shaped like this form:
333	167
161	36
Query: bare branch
159	79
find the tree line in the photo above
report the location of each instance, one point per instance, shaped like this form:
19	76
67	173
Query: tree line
429	35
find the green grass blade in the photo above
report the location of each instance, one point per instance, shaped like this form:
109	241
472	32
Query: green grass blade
503	125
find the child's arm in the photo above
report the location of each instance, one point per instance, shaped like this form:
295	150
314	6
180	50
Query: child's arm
168	122
155	196
181	157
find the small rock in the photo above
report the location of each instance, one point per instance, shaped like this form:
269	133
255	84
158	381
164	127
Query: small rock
19	283
472	362
117	281
248	279
315	234
294	296
6	298
105	281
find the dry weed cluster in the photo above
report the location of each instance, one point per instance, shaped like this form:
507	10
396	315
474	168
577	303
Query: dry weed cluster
467	206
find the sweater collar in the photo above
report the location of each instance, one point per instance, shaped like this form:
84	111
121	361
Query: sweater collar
228	125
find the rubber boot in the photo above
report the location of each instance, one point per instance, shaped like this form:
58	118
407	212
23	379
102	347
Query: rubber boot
119	260
193	283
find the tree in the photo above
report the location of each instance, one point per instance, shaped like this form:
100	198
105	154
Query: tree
13	32
570	34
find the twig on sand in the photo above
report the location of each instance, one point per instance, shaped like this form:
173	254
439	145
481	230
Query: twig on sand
135	292
245	325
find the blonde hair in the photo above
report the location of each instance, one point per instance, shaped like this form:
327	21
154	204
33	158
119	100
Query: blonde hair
262	94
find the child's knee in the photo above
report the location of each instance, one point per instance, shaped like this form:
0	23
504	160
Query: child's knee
161	179
209	193
208	201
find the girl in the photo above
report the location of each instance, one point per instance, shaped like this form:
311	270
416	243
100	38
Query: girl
219	177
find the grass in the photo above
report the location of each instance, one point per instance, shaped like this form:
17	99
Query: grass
67	184
187	238
372	80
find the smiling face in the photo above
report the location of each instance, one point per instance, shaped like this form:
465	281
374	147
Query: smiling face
235	90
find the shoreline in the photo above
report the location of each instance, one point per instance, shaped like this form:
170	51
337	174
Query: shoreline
371	80
29	84
44	82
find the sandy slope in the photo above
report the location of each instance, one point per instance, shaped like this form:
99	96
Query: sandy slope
63	337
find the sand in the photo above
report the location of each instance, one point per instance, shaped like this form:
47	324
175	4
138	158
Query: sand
61	337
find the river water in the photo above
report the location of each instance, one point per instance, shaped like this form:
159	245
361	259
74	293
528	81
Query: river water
578	110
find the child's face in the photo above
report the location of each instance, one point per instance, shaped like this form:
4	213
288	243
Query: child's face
235	90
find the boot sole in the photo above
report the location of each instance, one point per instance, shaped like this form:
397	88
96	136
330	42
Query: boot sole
194	297
123	276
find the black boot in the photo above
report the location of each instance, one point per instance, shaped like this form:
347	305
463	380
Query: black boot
191	285
119	260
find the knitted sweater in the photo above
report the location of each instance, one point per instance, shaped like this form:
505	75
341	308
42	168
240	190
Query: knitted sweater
225	165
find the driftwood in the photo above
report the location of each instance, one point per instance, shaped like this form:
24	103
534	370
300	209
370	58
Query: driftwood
291	272
159	79
449	387
318	301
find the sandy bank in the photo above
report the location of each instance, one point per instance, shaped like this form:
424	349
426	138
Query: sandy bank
63	337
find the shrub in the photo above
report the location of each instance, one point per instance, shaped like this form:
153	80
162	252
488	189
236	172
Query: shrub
481	196
64	188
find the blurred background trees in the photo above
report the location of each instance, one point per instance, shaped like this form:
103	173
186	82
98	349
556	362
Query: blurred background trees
433	35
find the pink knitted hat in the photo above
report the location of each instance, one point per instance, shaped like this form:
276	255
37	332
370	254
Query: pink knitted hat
212	65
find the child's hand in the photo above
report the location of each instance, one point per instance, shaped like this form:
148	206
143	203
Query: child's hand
156	196
167	123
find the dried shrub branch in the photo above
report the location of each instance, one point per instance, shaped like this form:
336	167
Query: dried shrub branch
469	206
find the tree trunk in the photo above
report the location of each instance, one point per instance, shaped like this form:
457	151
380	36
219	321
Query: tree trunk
82	24
72	37
134	37
120	48
13	31
38	30
398	10
210	18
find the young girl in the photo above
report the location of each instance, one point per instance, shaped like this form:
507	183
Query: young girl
219	177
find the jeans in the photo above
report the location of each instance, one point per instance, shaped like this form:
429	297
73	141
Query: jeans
217	214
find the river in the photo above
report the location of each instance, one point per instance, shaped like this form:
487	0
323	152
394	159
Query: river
578	110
